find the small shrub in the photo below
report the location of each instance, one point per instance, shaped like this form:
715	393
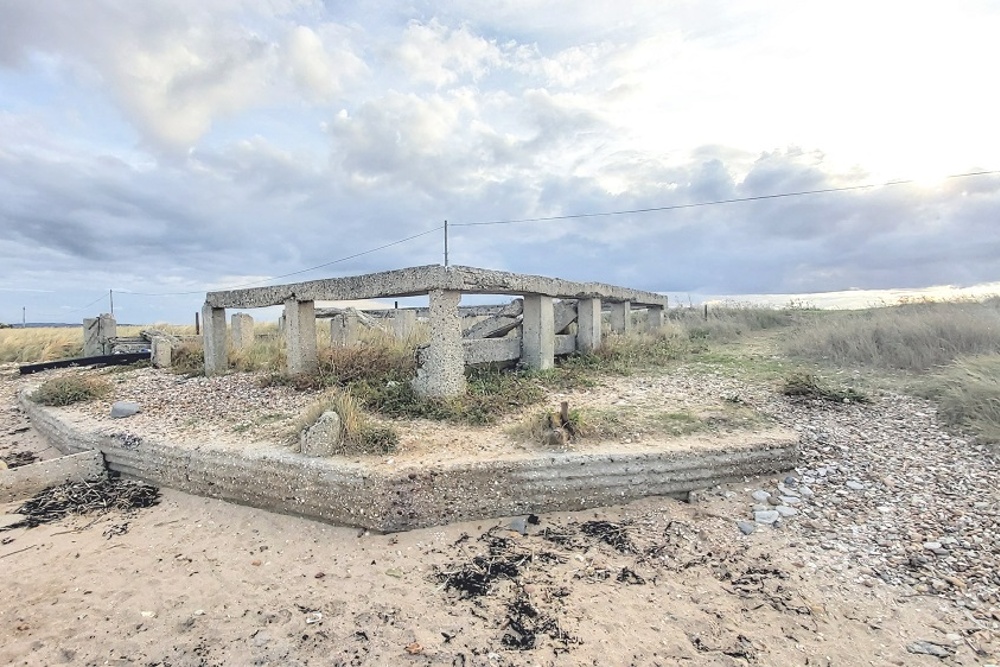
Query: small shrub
71	389
806	385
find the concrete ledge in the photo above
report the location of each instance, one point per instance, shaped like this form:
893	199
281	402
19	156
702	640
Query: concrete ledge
424	279
25	481
389	499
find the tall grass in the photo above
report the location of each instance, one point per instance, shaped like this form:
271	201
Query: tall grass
731	320
40	344
968	395
911	337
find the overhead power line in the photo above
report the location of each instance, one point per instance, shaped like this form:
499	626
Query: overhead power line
715	202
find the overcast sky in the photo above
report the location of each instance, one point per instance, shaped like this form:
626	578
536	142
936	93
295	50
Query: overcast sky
171	146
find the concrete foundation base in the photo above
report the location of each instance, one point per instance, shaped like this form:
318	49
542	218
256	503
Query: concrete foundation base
388	498
26	481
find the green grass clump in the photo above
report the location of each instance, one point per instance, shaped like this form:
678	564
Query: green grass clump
70	389
806	385
359	435
968	396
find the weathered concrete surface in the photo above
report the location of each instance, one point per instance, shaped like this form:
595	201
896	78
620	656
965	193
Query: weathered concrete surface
389	499
242	331
538	333
443	371
300	337
621	318
588	325
215	339
323	437
654	318
498	350
403	323
344	329
423	280
25	481
497	324
97	331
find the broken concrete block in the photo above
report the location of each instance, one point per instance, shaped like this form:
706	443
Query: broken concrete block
323	437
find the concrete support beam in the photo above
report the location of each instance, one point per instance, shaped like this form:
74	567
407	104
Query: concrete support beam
588	325
403	323
216	339
300	337
621	318
654	318
242	331
443	372
344	328
538	332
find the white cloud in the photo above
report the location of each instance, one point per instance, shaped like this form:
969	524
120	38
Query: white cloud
435	54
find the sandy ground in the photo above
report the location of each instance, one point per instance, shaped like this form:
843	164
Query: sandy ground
195	581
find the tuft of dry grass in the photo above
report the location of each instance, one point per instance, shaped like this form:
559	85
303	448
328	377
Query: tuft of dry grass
968	395
70	389
359	435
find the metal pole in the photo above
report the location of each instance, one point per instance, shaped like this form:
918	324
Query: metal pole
197	326
446	243
111	296
23	317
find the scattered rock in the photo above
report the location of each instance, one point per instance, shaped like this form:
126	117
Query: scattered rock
786	511
930	648
855	486
766	517
122	409
760	495
746	527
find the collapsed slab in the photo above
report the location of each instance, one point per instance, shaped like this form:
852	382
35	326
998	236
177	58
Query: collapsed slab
389	498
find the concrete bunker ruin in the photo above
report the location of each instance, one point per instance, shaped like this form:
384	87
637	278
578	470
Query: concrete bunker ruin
532	329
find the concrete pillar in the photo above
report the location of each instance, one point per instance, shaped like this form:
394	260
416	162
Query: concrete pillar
588	325
215	339
538	339
162	352
92	337
654	318
443	372
281	323
344	329
621	317
403	322
242	331
300	337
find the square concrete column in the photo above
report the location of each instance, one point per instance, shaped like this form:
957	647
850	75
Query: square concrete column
344	329
538	337
442	374
621	317
162	352
300	337
588	325
242	331
403	323
654	318
92	345
215	339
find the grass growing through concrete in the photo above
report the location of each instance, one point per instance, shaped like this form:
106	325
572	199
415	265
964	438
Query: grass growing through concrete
70	389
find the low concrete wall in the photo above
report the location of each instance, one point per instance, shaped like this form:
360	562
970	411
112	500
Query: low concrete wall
25	481
410	496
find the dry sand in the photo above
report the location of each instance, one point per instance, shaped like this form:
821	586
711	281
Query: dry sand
195	581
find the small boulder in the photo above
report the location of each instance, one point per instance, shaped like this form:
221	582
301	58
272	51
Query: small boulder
121	409
323	437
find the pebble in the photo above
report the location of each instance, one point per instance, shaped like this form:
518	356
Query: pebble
786	511
122	409
855	486
766	517
760	495
746	527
